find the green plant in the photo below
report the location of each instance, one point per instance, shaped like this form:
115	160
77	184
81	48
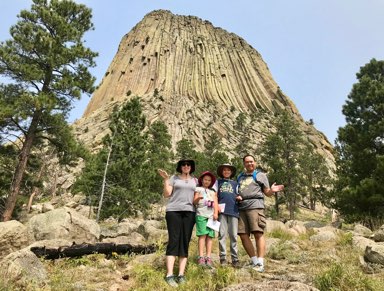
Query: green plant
281	234
344	239
280	251
343	277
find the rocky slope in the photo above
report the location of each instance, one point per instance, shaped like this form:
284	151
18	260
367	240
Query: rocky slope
300	254
191	75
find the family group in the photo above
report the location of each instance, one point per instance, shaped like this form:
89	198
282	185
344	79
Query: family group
233	207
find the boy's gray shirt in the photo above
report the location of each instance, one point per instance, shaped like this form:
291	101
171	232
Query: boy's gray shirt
182	195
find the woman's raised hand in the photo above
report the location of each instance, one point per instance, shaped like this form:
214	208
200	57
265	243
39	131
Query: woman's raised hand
163	173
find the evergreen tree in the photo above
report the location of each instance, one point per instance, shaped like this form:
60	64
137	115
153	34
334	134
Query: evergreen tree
359	192
185	149
281	152
47	65
135	155
159	155
317	181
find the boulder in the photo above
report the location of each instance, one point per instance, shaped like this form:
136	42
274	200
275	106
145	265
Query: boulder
314	224
362	230
295	227
361	242
127	227
13	237
374	254
63	223
23	266
325	235
274	224
47	207
151	231
378	236
134	239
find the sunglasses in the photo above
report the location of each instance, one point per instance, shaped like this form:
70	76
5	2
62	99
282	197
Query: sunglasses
185	164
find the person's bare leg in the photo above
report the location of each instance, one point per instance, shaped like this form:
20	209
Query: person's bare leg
201	245
182	265
208	245
170	262
247	244
260	244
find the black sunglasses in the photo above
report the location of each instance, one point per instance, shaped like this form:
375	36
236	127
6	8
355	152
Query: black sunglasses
185	164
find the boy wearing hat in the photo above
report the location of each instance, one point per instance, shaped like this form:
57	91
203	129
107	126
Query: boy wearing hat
229	218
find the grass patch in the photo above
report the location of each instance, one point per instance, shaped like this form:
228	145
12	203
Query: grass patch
280	234
343	277
344	239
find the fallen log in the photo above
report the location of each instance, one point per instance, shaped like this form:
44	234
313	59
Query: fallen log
78	250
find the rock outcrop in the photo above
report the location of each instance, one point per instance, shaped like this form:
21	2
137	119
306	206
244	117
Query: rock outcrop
191	75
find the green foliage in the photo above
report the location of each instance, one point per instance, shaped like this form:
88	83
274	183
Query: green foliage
345	239
282	250
359	192
240	121
132	183
281	152
317	180
47	66
186	149
339	276
280	234
292	161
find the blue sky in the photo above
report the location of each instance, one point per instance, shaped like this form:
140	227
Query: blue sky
313	48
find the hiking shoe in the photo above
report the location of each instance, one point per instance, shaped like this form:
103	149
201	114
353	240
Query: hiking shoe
259	268
223	261
181	279
208	262
236	264
201	261
249	265
171	281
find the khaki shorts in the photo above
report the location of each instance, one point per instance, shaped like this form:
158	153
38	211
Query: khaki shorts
252	220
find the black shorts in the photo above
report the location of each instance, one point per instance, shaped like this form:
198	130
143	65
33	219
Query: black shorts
180	226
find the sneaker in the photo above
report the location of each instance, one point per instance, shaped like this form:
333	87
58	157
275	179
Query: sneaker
208	262
171	281
259	268
223	261
250	265
201	261
236	264
181	279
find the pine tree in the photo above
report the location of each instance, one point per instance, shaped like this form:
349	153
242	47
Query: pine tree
47	65
317	181
359	192
132	183
159	155
281	152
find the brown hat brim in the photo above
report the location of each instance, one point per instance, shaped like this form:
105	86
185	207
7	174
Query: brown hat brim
221	167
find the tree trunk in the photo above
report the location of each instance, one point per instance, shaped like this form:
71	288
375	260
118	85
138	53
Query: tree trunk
87	249
277	204
104	179
21	166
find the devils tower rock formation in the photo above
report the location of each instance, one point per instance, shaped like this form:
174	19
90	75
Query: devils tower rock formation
191	75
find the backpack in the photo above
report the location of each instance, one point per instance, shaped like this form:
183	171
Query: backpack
255	172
